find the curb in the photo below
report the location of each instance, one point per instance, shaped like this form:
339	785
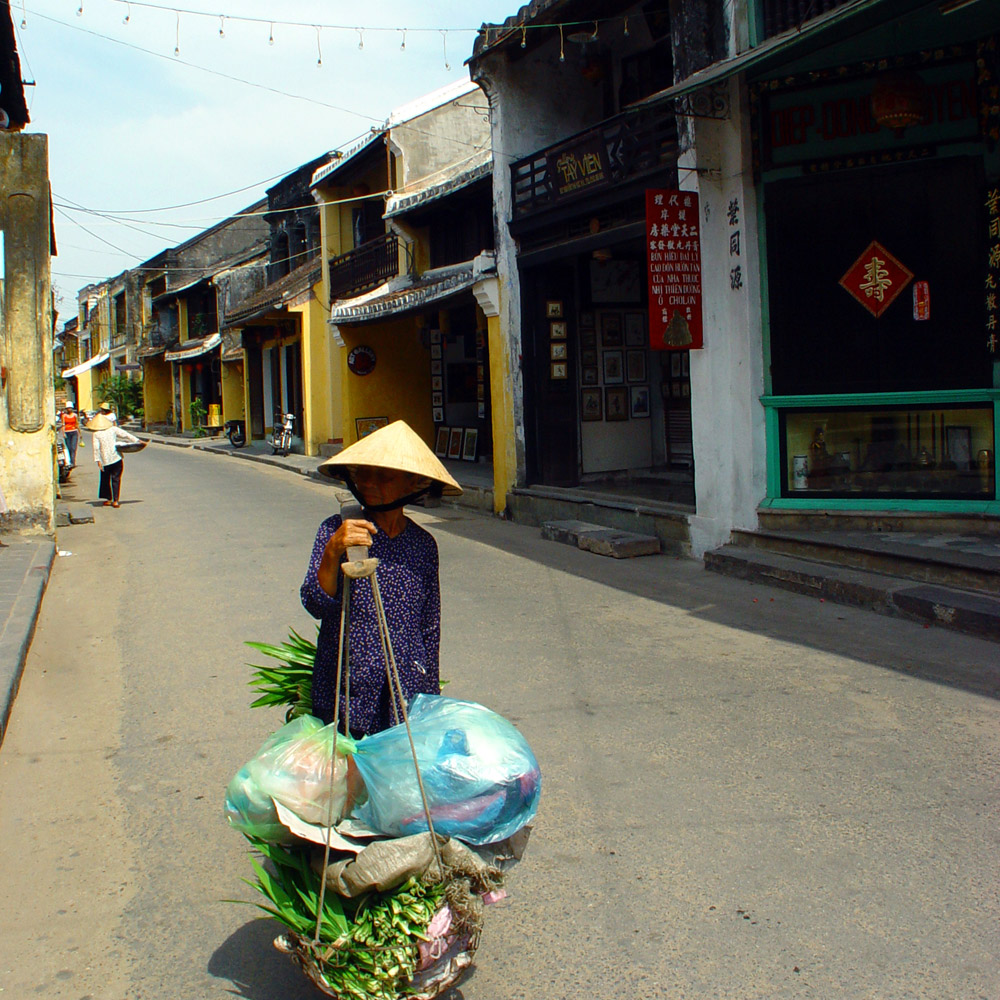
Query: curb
26	569
930	604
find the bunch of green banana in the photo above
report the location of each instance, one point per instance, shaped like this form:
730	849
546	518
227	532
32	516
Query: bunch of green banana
382	942
371	944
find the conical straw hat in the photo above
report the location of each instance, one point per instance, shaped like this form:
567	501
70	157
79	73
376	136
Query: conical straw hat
99	423
396	446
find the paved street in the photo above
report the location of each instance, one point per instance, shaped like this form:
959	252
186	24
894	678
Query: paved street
746	793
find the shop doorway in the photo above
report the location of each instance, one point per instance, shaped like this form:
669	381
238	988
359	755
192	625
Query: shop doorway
608	413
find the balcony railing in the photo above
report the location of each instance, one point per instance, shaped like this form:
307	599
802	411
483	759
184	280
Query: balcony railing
364	267
623	148
118	339
780	15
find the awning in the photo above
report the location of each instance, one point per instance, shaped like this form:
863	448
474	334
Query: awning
381	302
97	359
826	29
194	348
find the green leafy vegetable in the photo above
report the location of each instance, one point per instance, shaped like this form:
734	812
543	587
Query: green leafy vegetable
288	683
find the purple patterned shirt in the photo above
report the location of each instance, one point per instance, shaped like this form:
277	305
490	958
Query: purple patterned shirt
408	581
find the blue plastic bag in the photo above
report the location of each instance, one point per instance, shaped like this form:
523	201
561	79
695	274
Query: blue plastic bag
481	778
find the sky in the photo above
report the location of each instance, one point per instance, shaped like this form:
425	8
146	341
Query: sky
137	133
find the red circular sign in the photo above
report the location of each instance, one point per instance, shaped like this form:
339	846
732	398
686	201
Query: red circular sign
361	360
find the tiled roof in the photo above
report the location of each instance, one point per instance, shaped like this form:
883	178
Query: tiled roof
404	201
274	295
493	36
387	301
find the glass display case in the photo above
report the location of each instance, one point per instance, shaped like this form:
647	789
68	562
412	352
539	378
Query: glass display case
905	451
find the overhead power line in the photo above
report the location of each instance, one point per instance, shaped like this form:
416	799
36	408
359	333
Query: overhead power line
203	69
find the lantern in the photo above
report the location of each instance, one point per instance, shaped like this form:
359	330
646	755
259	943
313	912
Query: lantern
899	99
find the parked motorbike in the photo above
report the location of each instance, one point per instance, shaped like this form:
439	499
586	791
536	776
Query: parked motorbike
62	458
236	431
281	435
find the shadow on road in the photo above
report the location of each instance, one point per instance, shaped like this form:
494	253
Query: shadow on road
257	971
931	654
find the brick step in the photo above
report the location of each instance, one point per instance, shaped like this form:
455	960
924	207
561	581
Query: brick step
950	607
888	553
604	541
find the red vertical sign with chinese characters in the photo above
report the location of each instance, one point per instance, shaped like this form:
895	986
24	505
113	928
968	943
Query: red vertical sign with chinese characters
673	255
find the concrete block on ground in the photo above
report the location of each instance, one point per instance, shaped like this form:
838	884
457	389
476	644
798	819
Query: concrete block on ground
567	532
619	544
81	515
62	516
600	539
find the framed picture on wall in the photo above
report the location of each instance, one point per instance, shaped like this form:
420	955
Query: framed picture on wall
455	443
635	366
437	414
436	367
437	399
638	401
588	356
437	383
587	319
435	336
435	350
481	411
365	425
553	309
616	404
635	329
611	329
616	281
559	370
590	404
441	442
588	338
614	373
590	375
470	444
557	350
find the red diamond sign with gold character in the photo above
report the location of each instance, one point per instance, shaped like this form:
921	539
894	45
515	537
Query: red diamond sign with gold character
876	278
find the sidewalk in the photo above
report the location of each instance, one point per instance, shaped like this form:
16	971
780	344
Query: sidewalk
25	563
476	479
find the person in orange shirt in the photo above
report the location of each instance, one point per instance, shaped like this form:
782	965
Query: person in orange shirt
70	425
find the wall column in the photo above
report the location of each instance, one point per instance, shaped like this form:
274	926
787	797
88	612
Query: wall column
487	292
27	423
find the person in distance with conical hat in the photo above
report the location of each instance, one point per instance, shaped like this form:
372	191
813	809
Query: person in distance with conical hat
107	436
386	470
